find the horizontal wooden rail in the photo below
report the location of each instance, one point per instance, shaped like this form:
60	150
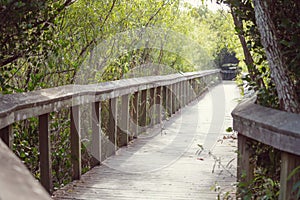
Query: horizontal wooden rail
276	128
134	105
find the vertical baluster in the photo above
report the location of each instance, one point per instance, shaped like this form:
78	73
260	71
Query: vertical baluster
178	94
45	153
75	142
288	163
113	114
158	103
245	169
142	110
169	100
124	120
152	106
174	98
190	91
135	114
185	94
96	133
164	102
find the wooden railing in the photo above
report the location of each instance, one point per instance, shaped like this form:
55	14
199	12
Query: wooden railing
278	129
170	92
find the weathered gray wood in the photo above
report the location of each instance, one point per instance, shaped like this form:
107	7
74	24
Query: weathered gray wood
161	166
169	100
75	142
152	106
288	163
45	153
142	109
16	181
158	105
96	133
276	128
178	96
20	106
245	170
164	99
124	120
184	93
113	124
7	136
174	98
269	126
135	114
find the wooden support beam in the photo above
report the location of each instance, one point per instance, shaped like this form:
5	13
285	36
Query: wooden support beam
288	163
45	153
185	93
174	98
75	142
152	106
245	168
142	110
164	102
124	121
96	134
113	124
169	95
178	95
7	136
135	114
158	105
190	91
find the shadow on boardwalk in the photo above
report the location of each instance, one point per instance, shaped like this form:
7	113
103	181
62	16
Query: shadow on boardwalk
190	157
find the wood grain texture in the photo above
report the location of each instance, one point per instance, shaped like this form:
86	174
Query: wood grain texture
269	126
167	164
16	182
20	106
45	154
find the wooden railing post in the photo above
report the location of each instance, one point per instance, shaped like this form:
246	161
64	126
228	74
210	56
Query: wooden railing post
164	102
75	142
152	106
169	100
45	153
113	124
96	133
174	98
245	168
124	120
6	134
180	91
142	110
135	114
185	92
179	96
158	104
199	86
193	89
288	163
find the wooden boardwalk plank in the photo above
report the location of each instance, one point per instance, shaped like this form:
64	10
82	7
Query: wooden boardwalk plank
165	163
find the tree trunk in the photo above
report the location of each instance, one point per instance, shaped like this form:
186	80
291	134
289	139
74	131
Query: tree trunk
253	72
286	90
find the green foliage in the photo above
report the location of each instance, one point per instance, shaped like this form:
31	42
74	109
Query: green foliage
49	43
25	144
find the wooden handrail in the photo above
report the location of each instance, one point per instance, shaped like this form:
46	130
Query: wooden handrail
173	91
276	128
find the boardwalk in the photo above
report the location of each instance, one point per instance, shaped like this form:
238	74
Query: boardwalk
186	158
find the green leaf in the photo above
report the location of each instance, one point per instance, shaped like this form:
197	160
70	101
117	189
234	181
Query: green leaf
295	171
